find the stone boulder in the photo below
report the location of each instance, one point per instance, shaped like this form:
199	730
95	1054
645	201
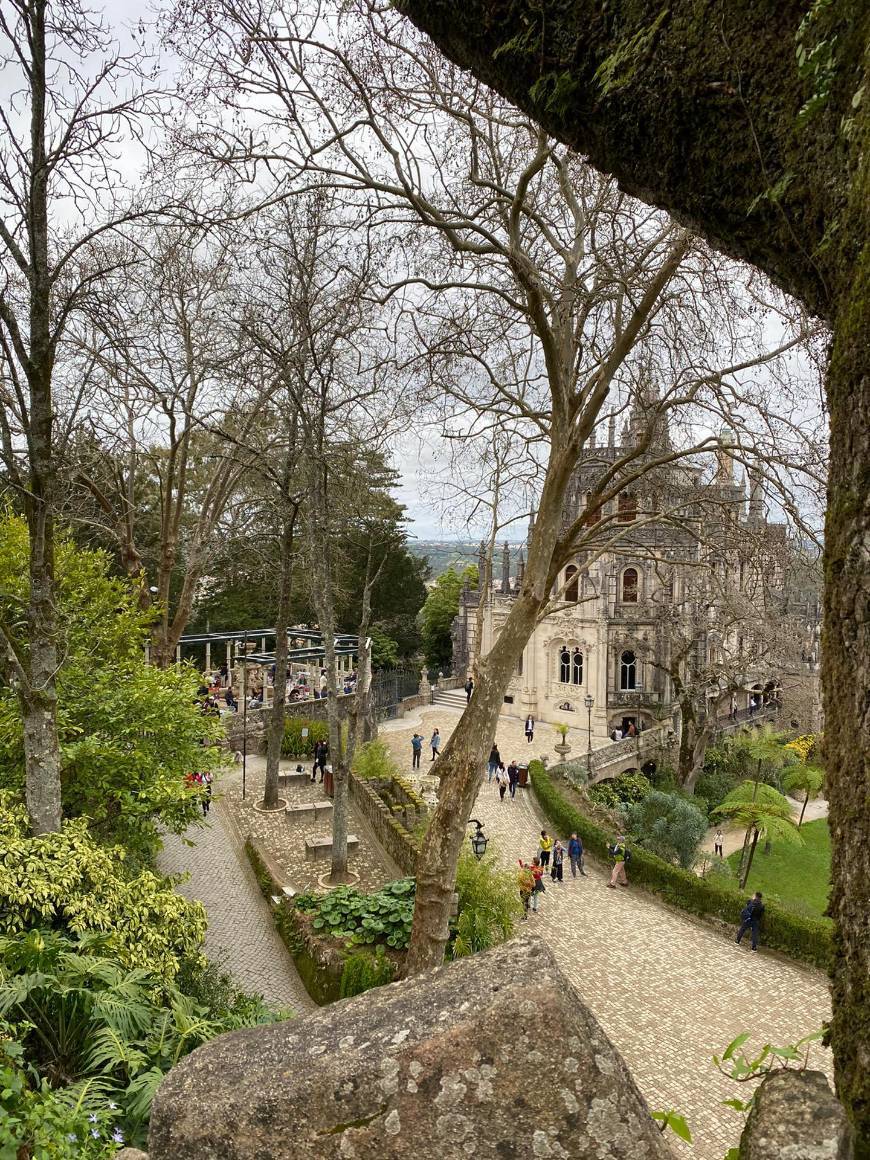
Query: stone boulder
796	1116
494	1055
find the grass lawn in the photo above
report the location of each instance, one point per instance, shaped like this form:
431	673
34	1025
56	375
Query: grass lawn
797	876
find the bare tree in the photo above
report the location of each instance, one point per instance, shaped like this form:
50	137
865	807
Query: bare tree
502	238
179	396
74	97
317	330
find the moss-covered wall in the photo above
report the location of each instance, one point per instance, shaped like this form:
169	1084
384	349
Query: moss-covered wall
694	105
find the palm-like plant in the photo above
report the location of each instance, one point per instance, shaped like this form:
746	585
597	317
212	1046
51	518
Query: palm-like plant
96	1029
761	751
761	810
805	779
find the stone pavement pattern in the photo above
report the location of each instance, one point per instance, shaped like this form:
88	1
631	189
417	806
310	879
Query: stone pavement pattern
241	935
670	991
285	841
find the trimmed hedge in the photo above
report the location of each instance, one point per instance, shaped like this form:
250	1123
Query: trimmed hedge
806	939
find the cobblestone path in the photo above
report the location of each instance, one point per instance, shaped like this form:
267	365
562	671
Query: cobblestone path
668	990
241	935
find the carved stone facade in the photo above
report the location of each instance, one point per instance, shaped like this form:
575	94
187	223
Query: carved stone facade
684	540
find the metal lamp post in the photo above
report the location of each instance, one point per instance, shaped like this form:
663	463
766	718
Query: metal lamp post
478	839
589	701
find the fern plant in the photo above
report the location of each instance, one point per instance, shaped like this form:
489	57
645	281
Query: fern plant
102	1035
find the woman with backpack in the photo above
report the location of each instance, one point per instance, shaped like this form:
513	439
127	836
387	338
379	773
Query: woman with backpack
621	856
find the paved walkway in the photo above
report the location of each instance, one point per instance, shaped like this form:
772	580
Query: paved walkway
668	990
241	935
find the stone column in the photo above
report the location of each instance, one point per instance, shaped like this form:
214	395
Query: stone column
425	687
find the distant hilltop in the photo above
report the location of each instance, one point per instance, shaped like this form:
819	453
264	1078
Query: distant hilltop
441	554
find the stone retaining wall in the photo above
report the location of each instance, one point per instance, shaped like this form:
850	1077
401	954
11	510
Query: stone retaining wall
389	825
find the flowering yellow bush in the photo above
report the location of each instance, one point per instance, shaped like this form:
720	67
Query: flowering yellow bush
805	746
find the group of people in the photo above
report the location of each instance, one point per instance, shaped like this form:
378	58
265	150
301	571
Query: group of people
417	747
550	858
204	780
631	730
505	778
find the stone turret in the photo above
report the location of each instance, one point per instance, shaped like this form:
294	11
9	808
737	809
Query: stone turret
506	570
724	458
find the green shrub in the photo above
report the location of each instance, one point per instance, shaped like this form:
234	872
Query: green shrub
350	916
36	1120
802	938
66	881
99	1032
668	825
622	790
294	744
129	732
489	905
364	970
373	759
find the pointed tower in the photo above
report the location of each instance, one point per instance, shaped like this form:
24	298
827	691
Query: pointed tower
756	502
611	431
521	571
724	458
506	571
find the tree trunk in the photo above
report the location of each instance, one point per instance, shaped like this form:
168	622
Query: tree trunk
743	856
745	877
275	728
38	694
846	660
460	769
803	810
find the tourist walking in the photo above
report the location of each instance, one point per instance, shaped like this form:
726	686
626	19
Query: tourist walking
526	883
207	779
513	778
718	839
575	856
750	917
501	780
469	689
435	743
321	749
494	761
530	728
621	856
416	750
558	861
538	888
546	845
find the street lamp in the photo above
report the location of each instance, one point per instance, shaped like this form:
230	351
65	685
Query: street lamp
478	839
589	701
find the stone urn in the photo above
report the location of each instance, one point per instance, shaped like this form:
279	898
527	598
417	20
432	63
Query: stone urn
563	748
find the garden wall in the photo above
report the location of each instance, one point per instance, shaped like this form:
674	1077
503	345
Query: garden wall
808	940
391	826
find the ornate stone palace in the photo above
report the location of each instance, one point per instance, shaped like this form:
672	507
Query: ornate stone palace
684	578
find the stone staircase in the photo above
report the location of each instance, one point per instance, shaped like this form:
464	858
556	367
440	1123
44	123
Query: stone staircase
449	698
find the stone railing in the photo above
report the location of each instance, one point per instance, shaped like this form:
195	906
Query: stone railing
617	756
392	826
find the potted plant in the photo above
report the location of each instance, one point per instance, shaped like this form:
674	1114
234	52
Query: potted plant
562	747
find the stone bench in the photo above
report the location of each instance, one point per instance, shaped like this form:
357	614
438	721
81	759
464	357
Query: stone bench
318	848
291	777
309	812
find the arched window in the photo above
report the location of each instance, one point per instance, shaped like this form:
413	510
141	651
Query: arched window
571	592
577	667
593	514
627	510
629	586
564	666
627	670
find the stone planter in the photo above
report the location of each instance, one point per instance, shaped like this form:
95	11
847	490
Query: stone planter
563	749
